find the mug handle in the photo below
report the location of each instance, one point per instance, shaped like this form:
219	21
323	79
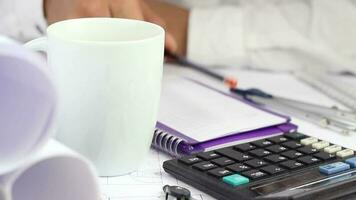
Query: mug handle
39	44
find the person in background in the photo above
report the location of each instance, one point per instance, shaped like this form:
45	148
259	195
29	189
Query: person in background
277	35
26	20
260	34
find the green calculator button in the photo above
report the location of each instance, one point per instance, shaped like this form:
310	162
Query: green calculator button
235	180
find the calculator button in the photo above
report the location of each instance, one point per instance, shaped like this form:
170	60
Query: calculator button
235	155
351	162
345	153
262	143
223	161
295	136
278	139
208	155
275	158
321	145
291	164
260	152
309	140
238	167
292	144
256	163
219	172
204	166
189	160
254	174
235	180
325	156
292	154
334	168
333	148
308	150
276	148
272	169
245	147
308	160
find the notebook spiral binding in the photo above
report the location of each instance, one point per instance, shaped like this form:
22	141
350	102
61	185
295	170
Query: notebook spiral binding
166	142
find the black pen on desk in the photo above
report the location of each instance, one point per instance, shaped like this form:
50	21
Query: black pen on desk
231	82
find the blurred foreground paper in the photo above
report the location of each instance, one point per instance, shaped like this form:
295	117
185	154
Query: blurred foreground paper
32	166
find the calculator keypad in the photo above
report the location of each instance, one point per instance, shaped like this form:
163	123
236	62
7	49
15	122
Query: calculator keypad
276	148
308	150
278	139
245	163
245	147
208	155
292	154
275	158
325	156
254	174
235	155
204	166
262	143
223	161
220	172
238	167
260	153
345	153
291	164
272	169
189	160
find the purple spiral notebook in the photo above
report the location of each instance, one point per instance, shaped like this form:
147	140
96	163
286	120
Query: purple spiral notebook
196	117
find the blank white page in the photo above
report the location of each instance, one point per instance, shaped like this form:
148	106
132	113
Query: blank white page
204	114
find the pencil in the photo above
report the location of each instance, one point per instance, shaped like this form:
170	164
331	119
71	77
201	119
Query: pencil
231	82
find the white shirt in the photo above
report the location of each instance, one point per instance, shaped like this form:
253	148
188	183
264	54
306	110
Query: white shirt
273	34
263	34
22	19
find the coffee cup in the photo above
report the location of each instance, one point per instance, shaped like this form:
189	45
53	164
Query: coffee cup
108	74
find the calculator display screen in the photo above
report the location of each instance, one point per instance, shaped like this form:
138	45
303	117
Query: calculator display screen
293	185
287	183
328	181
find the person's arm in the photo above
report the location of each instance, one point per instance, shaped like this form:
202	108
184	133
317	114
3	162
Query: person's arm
25	20
276	35
22	20
176	21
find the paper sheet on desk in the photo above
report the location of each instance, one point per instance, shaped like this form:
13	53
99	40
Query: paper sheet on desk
146	183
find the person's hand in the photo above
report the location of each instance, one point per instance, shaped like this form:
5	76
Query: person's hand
57	10
176	22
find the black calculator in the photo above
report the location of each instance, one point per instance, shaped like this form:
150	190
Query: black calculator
291	166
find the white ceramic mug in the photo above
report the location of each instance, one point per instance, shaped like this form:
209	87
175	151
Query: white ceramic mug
108	72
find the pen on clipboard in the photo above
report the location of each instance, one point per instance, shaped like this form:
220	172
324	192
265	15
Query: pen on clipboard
334	119
231	82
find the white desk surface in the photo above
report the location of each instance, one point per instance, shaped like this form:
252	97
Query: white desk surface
147	182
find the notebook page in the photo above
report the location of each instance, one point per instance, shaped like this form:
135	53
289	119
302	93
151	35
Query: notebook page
204	114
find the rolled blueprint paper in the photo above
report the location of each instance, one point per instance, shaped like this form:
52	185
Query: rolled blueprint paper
33	167
27	104
53	173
